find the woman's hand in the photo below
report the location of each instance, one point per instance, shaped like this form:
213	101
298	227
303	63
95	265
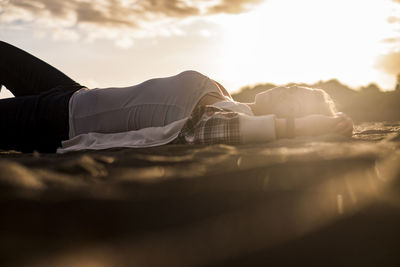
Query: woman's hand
313	125
345	125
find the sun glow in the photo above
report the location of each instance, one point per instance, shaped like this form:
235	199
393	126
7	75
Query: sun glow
307	41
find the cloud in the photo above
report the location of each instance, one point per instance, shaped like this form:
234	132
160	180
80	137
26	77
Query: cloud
390	63
114	18
393	19
391	40
233	6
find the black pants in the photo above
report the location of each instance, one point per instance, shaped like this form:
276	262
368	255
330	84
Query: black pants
37	117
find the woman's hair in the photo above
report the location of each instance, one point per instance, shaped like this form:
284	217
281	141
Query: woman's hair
327	106
295	101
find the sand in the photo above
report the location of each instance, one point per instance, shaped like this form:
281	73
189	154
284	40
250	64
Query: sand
326	201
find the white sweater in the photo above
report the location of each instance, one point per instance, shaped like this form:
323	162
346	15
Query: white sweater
149	114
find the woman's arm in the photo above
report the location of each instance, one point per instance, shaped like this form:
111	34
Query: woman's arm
212	125
268	127
313	125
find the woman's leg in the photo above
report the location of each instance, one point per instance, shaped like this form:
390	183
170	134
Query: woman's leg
24	74
36	122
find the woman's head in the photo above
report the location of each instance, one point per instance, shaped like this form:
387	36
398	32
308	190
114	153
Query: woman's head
294	101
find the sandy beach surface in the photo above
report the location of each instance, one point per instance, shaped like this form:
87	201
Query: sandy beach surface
326	201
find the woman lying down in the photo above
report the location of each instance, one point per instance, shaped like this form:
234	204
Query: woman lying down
51	112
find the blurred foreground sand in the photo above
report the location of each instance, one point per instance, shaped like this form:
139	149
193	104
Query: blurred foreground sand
323	201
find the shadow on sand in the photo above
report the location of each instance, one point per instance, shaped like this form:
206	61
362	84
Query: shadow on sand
325	201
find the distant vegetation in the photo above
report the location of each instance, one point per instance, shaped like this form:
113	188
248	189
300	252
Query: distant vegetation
367	104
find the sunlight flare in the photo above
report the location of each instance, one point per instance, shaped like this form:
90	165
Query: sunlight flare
307	41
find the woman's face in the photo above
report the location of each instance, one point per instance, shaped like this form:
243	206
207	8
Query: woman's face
289	101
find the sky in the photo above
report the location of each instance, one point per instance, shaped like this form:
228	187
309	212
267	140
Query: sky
110	43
